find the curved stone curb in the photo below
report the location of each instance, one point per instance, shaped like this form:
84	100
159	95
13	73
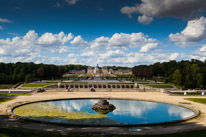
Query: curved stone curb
196	113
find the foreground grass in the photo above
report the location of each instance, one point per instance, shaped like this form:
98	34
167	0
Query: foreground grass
160	85
5	132
198	100
36	85
4	99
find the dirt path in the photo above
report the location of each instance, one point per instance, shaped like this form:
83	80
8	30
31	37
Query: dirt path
194	124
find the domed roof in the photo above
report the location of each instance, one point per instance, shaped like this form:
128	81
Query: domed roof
98	67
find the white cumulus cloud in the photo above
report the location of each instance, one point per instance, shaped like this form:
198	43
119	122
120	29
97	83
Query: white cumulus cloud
112	54
148	47
79	41
122	49
195	31
51	39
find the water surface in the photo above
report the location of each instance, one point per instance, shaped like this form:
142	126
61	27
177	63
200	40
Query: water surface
127	112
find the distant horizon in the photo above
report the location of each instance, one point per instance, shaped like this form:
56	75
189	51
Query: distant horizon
107	32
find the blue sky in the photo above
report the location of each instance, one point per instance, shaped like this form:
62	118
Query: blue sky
108	32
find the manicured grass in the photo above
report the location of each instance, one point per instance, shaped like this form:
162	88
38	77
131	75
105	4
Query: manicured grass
3	99
190	95
36	85
15	94
160	85
52	81
200	91
6	86
7	132
198	100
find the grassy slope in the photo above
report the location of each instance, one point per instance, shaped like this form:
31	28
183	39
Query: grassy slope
6	86
160	85
36	85
199	100
3	99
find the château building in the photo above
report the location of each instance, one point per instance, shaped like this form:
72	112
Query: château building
105	70
97	70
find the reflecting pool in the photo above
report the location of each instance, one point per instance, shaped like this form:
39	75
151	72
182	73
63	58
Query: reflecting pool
80	112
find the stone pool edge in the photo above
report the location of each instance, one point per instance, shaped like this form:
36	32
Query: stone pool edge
196	113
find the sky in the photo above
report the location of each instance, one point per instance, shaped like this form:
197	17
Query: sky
104	32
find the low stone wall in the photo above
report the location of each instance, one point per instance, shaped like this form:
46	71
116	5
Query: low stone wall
103	87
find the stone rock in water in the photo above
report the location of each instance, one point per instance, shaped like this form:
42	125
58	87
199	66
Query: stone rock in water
103	107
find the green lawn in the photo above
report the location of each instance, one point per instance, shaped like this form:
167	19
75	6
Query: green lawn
160	85
36	85
4	132
200	91
15	94
198	100
6	86
190	95
3	99
52	81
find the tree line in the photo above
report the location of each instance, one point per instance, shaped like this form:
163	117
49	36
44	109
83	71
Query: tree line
26	72
188	74
118	68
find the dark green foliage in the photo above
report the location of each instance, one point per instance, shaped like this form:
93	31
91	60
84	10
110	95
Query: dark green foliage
118	68
27	72
186	74
6	86
177	77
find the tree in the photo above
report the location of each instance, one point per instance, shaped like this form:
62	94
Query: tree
200	80
60	71
177	77
188	81
3	78
194	72
28	78
41	71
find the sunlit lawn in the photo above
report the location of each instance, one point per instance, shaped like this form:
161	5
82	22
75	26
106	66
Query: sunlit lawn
160	85
36	85
198	100
3	99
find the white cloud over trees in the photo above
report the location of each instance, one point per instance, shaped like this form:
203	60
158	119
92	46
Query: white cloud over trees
195	31
61	48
